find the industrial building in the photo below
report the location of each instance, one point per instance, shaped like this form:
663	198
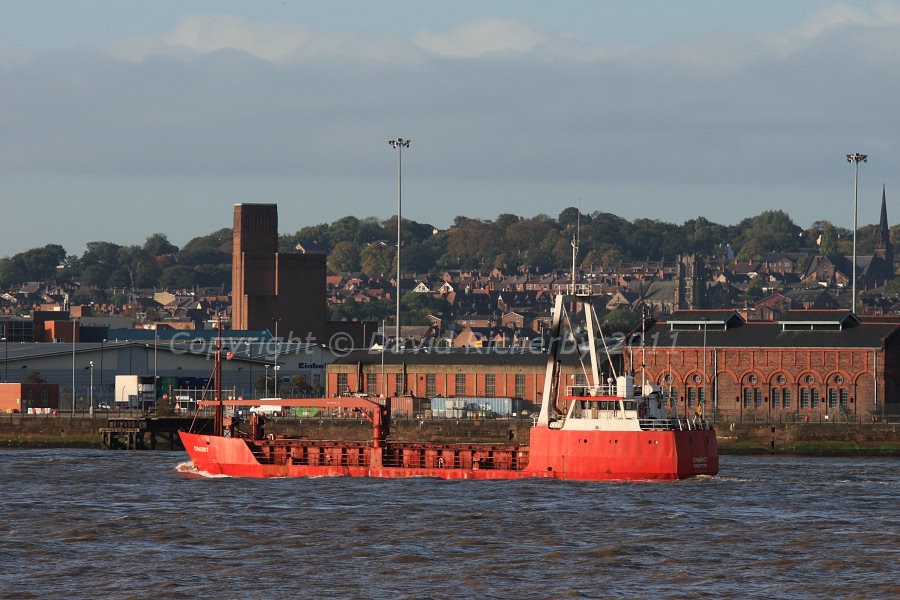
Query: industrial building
443	372
269	287
806	364
188	360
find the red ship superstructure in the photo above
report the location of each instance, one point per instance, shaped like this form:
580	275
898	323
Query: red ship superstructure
609	430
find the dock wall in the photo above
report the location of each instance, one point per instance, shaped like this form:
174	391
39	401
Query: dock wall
836	439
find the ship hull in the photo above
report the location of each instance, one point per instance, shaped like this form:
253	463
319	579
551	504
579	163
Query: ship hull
557	454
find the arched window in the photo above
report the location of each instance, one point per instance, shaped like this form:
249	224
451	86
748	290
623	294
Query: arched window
810	394
837	392
751	392
696	394
669	390
779	393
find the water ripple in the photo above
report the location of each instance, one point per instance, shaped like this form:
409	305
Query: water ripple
87	524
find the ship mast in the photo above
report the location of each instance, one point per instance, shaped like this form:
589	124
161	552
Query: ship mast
552	365
575	241
218	418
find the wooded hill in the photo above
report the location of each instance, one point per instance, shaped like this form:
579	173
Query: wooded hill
538	244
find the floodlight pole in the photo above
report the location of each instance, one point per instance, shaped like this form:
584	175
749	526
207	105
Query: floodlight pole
399	144
855	159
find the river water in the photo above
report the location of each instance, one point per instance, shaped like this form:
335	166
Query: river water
96	524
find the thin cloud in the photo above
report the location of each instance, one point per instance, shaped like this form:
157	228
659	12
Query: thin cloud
829	20
195	35
482	36
508	112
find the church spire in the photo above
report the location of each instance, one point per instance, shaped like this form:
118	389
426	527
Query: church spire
883	244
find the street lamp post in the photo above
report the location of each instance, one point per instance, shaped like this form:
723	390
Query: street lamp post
74	322
703	400
275	370
5	360
92	389
102	390
855	159
267	380
399	144
383	342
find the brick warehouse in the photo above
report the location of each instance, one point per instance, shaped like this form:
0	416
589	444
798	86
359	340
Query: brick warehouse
489	372
806	364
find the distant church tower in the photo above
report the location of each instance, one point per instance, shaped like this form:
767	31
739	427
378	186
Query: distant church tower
690	290
883	247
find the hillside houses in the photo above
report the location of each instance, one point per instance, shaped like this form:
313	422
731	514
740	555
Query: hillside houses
503	306
498	305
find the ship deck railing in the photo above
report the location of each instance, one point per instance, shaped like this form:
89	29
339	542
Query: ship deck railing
455	456
681	424
292	451
583	390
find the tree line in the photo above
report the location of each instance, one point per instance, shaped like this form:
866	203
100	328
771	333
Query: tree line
539	244
543	243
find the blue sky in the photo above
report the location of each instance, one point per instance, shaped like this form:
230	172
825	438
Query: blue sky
121	119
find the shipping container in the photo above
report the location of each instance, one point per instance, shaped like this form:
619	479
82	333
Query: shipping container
456	402
404	406
500	407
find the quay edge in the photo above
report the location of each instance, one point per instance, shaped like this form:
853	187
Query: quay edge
815	439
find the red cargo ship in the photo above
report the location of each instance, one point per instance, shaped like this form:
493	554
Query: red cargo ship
608	431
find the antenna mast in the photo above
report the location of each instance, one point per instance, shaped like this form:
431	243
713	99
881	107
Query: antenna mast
575	239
